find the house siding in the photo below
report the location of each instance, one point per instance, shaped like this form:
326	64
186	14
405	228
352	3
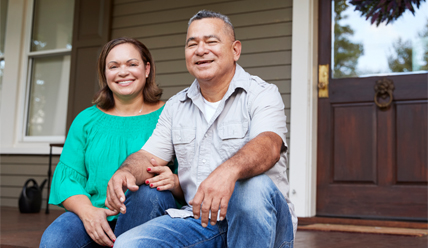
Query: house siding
16	170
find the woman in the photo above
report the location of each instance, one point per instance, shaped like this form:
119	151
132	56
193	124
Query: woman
123	117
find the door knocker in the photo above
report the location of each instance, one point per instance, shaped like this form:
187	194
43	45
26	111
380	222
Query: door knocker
384	88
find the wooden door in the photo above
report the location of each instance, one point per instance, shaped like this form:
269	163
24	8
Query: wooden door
372	162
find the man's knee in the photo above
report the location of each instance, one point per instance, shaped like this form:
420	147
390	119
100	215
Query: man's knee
254	189
252	194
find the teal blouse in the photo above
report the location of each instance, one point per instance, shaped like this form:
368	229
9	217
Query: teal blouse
96	145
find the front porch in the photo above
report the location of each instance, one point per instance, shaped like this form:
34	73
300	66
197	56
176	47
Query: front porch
25	230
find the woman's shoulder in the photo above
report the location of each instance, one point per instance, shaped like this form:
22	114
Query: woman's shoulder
87	114
86	117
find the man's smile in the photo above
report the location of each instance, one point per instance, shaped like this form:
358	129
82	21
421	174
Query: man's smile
201	62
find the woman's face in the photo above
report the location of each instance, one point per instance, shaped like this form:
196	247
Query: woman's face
125	71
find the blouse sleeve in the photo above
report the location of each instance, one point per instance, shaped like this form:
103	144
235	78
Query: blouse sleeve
70	175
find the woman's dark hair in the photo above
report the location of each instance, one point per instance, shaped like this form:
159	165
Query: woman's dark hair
104	97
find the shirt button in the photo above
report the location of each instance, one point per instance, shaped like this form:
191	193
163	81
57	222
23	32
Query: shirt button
206	135
203	161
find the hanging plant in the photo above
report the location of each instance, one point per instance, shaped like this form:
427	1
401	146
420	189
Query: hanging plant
384	10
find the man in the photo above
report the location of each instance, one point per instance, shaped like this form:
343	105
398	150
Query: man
227	131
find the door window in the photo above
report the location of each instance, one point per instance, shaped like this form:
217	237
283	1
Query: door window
363	49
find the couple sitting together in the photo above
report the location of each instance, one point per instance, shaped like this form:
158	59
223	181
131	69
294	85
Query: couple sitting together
205	169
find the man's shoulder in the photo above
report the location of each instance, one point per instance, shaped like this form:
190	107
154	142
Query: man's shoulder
253	82
174	102
256	86
180	96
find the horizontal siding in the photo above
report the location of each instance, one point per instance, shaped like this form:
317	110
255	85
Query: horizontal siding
263	45
16	170
263	27
187	8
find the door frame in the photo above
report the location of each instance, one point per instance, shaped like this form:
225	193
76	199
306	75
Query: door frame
304	105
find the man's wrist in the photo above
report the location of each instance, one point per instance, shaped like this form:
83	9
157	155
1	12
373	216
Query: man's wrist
230	169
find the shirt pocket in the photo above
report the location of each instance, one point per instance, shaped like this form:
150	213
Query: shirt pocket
233	136
184	146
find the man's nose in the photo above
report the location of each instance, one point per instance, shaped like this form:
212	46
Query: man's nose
201	49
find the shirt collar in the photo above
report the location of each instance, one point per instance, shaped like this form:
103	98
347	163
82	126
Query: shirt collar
239	80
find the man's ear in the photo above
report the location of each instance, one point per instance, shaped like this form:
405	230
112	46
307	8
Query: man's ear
236	47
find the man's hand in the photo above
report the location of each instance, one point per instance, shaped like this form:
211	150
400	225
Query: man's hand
117	186
256	157
96	225
214	194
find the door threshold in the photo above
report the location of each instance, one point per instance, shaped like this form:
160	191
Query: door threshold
364	229
362	222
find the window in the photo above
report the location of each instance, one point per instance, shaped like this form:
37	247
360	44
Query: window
3	17
363	49
48	70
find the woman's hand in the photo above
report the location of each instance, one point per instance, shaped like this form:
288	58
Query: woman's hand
94	219
96	225
164	179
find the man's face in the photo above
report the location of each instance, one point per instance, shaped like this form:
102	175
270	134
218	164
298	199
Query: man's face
211	51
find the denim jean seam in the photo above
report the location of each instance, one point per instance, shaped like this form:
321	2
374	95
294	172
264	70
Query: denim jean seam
205	240
274	212
287	244
86	245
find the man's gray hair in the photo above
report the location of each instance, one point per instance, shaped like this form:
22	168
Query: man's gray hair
202	14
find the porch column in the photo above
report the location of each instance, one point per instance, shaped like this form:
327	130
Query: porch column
304	99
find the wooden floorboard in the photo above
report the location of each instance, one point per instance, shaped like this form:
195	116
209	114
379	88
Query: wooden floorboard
25	230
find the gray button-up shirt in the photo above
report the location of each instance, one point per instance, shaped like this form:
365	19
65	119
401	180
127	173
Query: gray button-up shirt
250	107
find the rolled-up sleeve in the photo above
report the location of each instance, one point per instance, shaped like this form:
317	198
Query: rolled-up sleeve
160	143
267	112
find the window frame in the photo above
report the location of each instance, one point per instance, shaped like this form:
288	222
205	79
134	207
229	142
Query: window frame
2	55
30	60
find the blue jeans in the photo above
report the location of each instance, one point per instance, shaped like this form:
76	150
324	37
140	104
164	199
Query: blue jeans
68	230
257	216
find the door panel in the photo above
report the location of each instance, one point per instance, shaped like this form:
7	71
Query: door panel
411	146
372	162
354	151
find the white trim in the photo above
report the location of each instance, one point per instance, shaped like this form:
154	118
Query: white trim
304	101
38	149
24	89
62	51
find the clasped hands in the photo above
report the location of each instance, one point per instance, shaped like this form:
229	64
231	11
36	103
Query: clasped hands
163	179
